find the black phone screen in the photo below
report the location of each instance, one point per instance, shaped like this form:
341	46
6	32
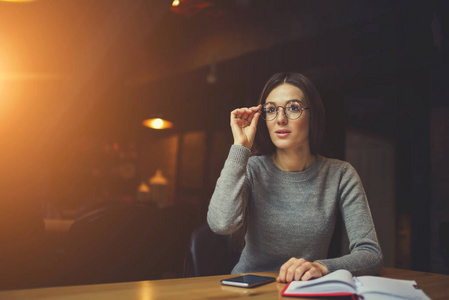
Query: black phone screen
247	280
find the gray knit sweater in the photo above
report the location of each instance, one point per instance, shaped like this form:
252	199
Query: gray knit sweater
293	214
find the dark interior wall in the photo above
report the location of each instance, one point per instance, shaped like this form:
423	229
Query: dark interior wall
439	129
439	147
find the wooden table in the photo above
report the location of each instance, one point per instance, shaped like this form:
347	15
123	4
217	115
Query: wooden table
436	286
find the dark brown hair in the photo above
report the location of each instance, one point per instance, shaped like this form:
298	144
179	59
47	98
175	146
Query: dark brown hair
262	142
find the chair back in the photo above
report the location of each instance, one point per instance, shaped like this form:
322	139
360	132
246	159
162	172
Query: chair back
209	254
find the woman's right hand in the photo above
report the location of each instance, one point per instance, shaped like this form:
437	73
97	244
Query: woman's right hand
244	125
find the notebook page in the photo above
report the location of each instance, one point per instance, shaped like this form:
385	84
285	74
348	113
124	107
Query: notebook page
374	296
368	286
338	281
323	288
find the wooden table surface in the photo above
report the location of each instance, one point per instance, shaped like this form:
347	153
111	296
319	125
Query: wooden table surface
436	286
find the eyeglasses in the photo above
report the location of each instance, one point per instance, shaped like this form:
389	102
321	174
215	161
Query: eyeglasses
292	110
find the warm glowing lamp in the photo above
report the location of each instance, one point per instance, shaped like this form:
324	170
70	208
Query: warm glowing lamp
175	3
157	123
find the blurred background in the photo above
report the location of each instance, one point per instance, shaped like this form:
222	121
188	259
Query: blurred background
79	78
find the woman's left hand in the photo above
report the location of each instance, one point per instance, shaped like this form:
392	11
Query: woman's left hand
300	269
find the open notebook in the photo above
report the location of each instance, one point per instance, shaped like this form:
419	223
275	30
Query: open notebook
342	283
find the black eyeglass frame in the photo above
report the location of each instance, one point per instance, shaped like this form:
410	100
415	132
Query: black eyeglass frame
284	110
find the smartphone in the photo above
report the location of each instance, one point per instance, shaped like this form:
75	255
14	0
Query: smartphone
247	281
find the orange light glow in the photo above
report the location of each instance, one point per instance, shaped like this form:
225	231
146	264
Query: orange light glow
175	3
18	1
157	123
30	76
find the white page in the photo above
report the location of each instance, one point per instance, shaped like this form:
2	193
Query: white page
369	286
420	295
323	288
338	281
374	296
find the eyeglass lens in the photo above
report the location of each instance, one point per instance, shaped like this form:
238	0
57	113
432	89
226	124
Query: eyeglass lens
292	110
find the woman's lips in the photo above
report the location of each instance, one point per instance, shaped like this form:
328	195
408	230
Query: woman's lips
282	132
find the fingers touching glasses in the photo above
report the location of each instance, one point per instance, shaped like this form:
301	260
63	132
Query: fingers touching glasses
246	113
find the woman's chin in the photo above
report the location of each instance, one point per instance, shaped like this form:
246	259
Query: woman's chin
288	145
283	145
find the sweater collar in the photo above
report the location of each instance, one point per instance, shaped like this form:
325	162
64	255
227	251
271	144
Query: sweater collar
311	172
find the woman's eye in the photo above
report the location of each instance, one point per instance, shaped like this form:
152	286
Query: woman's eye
294	107
270	110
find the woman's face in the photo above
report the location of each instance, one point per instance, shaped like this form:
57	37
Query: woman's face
288	134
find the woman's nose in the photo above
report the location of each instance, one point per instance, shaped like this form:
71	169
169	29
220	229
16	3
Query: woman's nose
281	118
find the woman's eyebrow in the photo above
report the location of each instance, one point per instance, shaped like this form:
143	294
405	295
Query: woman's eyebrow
286	101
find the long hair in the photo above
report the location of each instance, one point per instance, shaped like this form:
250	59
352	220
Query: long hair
262	142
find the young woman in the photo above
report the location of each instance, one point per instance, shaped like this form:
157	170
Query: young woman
289	196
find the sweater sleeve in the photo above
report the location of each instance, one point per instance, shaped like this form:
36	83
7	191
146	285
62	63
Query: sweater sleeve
228	203
365	256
